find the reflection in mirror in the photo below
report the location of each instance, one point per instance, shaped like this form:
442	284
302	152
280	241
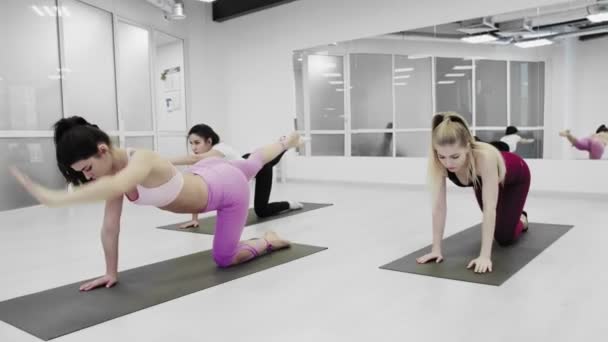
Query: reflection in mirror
327	145
542	71
133	63
30	85
325	84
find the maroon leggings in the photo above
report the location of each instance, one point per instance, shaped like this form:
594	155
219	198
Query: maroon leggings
511	199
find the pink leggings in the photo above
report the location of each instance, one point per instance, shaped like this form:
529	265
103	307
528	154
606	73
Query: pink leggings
593	146
228	185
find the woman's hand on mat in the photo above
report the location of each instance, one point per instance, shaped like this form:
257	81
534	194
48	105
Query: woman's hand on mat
189	224
43	195
107	281
430	257
482	264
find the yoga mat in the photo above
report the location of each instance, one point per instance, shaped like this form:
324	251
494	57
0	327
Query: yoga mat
459	249
207	224
53	313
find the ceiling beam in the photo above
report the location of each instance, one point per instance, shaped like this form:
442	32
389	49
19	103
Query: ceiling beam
228	9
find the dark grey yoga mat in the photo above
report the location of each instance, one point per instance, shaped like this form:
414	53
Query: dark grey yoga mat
64	310
459	249
207	224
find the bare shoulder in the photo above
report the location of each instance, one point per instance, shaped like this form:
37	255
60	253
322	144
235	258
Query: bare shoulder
148	158
486	157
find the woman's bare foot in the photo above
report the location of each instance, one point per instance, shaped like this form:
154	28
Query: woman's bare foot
293	140
564	133
189	224
524	221
275	241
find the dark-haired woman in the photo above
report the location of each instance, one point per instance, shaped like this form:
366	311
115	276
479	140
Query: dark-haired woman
512	138
594	144
108	173
206	143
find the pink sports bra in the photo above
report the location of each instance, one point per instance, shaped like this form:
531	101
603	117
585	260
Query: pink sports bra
159	196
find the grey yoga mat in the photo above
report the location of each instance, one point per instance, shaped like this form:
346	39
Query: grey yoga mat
64	310
207	224
459	249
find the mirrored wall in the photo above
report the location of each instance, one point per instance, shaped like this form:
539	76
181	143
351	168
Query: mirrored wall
538	71
72	58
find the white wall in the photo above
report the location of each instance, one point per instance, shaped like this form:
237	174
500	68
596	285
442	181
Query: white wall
170	56
202	48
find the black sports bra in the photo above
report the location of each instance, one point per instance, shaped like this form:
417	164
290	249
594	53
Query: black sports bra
452	176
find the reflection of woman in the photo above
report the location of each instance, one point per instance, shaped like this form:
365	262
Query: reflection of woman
511	138
387	144
500	145
594	144
501	181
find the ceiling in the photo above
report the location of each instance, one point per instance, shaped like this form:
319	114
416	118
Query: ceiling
551	22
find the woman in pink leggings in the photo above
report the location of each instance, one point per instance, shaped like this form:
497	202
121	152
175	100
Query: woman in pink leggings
103	172
594	144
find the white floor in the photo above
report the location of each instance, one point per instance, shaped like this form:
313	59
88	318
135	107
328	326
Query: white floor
336	295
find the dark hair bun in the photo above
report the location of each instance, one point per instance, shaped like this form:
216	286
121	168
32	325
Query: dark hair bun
66	124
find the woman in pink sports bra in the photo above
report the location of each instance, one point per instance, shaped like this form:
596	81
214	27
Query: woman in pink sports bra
86	157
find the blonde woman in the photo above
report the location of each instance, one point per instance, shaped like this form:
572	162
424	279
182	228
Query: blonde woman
501	181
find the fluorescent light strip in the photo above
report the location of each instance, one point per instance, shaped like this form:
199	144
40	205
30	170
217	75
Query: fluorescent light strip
418	56
446	82
38	11
339	89
404	69
598	17
400	83
402	76
455	75
534	43
66	12
332	74
463	67
479	39
336	82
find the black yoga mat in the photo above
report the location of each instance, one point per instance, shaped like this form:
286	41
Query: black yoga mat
64	310
207	224
459	249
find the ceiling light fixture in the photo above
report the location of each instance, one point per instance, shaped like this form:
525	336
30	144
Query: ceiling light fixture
479	39
598	17
533	43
